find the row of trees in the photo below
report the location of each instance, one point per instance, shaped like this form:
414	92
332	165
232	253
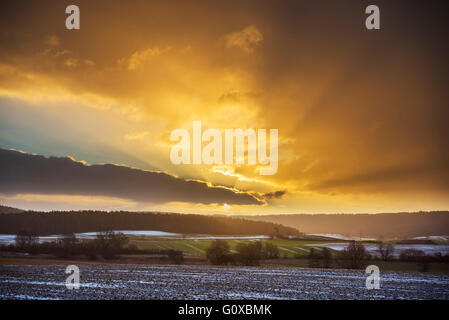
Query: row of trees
249	254
107	244
354	256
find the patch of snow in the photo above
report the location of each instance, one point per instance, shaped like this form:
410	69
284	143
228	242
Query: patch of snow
148	233
338	236
438	238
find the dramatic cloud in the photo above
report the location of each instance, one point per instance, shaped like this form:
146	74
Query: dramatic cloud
138	58
71	63
247	39
23	173
362	115
52	41
275	194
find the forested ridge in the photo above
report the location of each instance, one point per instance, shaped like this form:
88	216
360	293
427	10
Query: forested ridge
63	222
389	225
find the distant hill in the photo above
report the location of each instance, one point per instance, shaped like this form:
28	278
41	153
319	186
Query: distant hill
60	222
5	209
388	225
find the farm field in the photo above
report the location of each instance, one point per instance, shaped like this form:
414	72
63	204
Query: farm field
287	248
112	281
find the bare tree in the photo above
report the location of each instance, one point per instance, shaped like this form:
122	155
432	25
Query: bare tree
353	255
271	251
218	252
327	258
314	259
25	239
386	250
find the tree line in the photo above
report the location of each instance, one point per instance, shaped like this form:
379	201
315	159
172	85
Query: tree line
108	245
66	222
354	256
248	254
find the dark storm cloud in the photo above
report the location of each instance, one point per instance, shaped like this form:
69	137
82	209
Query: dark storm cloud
275	194
27	173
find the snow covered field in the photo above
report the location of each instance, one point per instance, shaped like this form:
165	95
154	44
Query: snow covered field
204	282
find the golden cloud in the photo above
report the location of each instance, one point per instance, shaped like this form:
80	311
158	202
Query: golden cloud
247	39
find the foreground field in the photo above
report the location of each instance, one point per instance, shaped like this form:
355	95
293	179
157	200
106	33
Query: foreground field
202	282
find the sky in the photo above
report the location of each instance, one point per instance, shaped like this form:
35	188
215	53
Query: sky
361	114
